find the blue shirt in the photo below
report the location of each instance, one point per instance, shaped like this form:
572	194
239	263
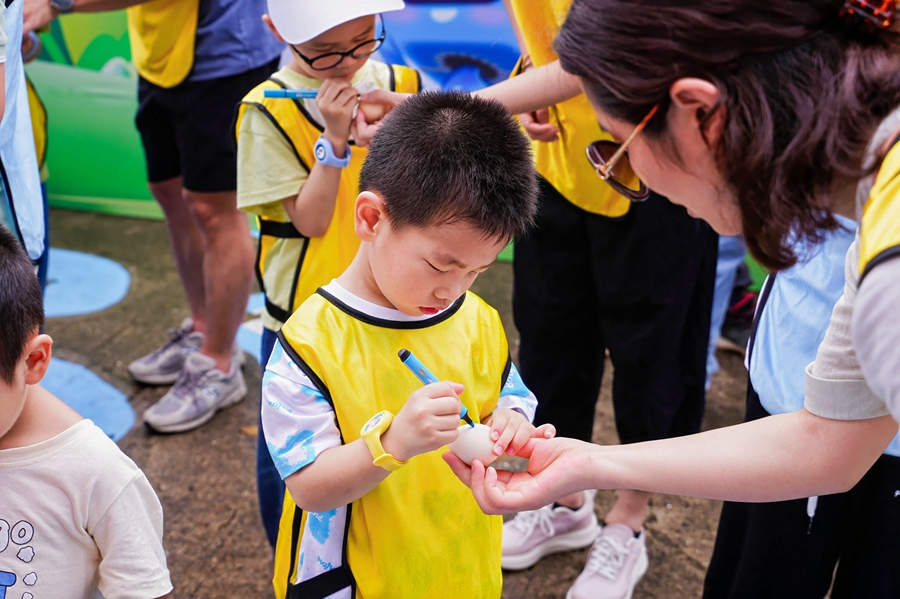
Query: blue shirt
793	322
232	39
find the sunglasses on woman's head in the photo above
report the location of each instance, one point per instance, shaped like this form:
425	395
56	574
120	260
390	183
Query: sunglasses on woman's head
604	155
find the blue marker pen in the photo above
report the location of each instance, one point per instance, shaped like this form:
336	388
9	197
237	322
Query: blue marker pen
424	375
293	94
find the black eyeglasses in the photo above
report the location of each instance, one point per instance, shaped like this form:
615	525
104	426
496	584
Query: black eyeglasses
603	156
323	62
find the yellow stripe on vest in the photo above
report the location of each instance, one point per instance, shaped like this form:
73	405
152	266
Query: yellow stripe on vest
880	228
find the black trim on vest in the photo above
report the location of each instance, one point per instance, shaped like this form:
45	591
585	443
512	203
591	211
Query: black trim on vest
276	312
393	324
275	123
330	582
392	78
257	266
882	256
274	228
323	585
297	272
506	370
760	304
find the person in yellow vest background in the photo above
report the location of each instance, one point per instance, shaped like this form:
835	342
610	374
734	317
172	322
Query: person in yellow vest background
601	271
196	60
298	166
371	510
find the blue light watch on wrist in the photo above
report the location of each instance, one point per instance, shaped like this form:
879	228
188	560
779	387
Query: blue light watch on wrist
324	152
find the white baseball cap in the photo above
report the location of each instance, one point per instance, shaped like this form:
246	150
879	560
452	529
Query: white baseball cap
299	21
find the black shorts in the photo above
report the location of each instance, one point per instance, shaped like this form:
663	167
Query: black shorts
187	129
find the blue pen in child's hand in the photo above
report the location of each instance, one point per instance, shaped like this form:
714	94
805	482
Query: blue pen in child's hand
424	375
294	94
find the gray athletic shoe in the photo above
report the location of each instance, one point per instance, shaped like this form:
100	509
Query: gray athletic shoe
163	366
200	391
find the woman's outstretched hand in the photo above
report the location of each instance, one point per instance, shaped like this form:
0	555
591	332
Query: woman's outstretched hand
556	467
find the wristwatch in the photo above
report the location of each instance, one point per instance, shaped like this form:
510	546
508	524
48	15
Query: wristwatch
324	152
371	433
63	7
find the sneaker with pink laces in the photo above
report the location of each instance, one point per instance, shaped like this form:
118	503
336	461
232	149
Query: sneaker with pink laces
616	563
531	535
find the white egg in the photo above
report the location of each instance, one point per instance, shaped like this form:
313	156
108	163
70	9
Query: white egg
474	442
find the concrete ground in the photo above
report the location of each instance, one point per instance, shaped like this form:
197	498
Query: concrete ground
205	478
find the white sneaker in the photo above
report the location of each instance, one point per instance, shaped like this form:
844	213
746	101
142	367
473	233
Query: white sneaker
531	535
200	391
616	563
162	367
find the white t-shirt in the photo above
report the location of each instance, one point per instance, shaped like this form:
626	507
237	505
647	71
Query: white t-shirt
77	515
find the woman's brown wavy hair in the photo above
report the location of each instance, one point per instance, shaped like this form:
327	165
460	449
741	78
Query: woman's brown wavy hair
802	94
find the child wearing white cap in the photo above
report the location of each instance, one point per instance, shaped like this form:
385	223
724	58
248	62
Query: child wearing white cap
298	166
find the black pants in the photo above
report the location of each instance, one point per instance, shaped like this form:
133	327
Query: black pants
640	285
772	551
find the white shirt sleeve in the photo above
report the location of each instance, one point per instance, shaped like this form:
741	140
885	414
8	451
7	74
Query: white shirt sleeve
129	537
298	421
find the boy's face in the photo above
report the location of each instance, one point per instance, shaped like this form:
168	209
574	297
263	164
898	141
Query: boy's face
422	270
343	38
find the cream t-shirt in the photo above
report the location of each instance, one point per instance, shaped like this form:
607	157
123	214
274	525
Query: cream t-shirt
77	515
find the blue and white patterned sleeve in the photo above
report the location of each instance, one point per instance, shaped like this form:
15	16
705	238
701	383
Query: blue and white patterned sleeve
516	396
298	421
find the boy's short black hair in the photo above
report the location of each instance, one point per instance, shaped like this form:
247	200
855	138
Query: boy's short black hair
21	304
443	157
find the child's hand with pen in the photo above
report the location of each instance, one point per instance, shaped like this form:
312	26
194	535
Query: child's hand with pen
428	421
336	100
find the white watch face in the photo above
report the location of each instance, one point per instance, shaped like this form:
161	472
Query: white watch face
373	422
321	153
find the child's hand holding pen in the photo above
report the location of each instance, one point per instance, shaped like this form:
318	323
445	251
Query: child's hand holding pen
336	100
428	421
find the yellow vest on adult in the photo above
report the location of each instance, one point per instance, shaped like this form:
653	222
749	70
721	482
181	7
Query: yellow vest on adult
419	533
563	163
879	231
162	34
320	259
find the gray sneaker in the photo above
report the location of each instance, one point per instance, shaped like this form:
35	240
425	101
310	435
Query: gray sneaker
163	366
200	391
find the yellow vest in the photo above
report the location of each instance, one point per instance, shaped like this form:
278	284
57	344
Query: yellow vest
319	259
162	34
38	122
419	534
879	232
563	163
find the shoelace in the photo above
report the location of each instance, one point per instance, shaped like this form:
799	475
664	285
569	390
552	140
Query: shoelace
607	556
542	518
175	338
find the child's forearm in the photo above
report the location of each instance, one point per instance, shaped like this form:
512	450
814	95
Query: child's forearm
338	476
534	89
311	210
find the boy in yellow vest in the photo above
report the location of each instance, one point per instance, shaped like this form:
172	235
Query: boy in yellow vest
372	511
298	167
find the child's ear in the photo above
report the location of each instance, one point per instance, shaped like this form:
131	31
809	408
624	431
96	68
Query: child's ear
37	358
369	212
268	21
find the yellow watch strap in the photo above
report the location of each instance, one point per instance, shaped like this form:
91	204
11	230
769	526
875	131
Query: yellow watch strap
371	433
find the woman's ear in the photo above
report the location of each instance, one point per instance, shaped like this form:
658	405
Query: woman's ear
37	358
693	100
369	213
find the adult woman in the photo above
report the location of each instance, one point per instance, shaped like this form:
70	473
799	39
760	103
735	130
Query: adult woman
757	117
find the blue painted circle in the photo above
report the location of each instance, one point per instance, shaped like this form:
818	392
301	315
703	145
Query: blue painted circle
80	283
90	396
